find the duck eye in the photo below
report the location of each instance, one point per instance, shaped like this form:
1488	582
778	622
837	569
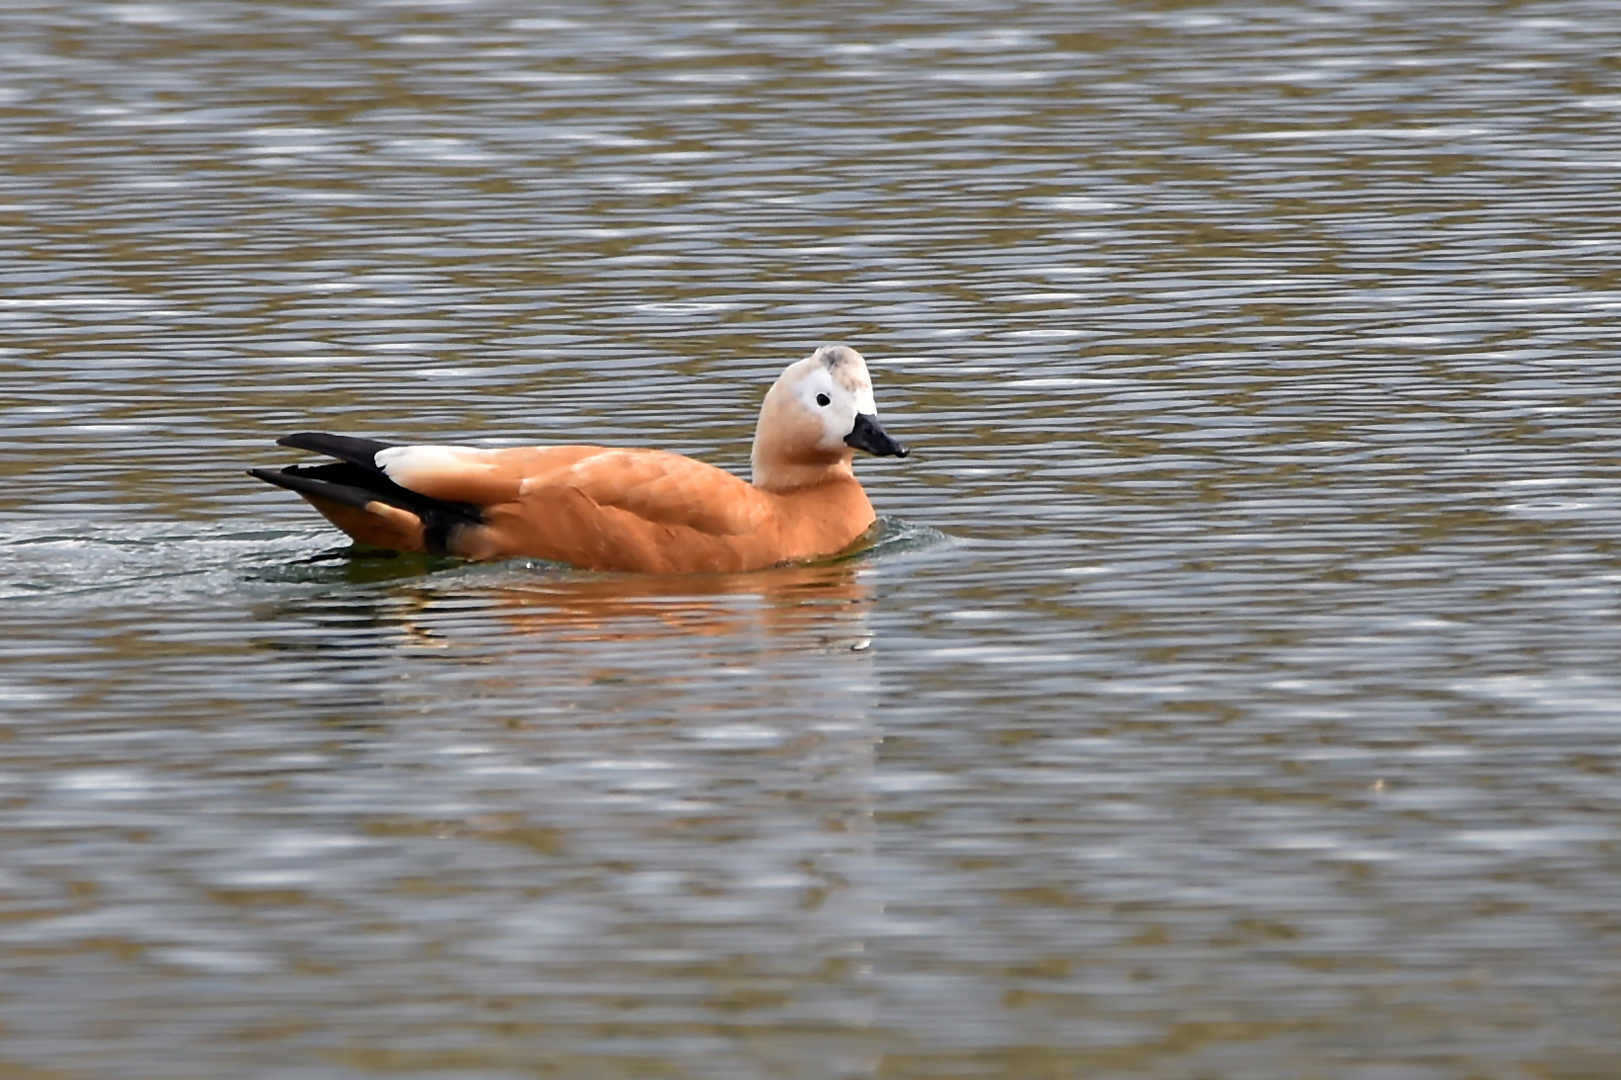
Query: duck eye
823	400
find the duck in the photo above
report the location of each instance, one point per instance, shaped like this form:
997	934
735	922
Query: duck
612	509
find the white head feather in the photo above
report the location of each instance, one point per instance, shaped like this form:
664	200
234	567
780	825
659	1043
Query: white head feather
832	384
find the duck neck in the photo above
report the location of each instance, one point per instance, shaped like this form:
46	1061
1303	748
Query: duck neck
787	454
783	476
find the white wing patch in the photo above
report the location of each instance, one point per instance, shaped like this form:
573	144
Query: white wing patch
402	464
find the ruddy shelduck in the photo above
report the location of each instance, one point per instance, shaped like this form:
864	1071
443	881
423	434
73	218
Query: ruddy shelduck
646	511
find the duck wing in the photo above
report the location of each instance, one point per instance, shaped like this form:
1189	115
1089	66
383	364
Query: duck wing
658	487
470	474
587	505
654	485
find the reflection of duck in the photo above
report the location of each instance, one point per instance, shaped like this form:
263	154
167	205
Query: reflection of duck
686	767
826	600
635	510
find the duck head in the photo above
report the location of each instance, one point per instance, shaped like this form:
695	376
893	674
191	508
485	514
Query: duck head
817	414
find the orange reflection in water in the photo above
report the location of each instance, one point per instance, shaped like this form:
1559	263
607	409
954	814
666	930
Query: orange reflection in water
818	598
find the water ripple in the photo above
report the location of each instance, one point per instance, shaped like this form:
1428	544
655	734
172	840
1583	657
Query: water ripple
1228	691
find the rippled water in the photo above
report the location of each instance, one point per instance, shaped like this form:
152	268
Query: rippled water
1233	692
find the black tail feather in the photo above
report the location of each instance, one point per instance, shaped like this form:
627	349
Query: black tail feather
362	452
296	478
355	480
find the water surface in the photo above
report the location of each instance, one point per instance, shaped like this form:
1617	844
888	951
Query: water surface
1235	695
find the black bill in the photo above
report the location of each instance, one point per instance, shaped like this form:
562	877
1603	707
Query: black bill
870	436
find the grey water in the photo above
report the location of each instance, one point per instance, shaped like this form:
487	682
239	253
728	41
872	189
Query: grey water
1233	691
